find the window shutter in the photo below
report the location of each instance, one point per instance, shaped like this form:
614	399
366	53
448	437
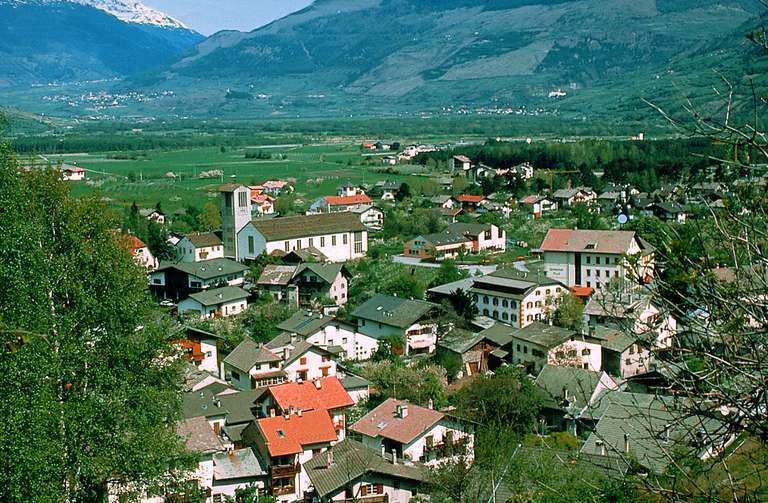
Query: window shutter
364	490
379	488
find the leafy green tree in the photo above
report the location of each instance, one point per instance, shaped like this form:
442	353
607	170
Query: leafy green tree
157	241
404	286
210	218
506	398
90	391
133	221
414	384
569	312
447	273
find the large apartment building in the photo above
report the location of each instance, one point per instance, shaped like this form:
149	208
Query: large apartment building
594	258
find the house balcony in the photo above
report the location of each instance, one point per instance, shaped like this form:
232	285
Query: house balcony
446	449
283	490
379	498
282	471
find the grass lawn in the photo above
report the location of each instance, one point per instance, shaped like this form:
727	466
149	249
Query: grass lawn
317	170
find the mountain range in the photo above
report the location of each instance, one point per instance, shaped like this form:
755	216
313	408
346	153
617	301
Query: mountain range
340	57
54	41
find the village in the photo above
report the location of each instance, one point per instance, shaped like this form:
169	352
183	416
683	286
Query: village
295	416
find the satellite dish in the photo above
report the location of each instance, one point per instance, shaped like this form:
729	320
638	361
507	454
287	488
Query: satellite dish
622	218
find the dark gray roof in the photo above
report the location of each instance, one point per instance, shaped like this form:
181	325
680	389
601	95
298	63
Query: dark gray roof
580	385
538	333
248	353
303	324
352	460
460	341
216	296
240	405
612	338
646	419
393	311
207	269
328	272
203	402
445	237
353	382
275	229
449	288
196	332
239	464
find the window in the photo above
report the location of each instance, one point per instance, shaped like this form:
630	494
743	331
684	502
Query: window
333	240
274	365
358	242
628	362
586	352
538	317
344	239
547	291
242	199
504	316
588	272
485	312
504	303
324	371
525	350
485	299
322	241
311	242
303	360
250	245
195	284
513	317
235	375
530	305
344	340
589	259
597	260
589	284
495	315
495	301
287	246
157	281
632	349
488	234
530	318
538	303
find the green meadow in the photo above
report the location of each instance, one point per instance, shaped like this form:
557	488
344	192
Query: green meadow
145	176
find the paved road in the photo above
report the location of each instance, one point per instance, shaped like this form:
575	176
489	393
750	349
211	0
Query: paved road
473	269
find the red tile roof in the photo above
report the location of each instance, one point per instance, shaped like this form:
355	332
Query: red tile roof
261	198
339	200
468	198
384	422
133	243
289	436
570	240
307	396
582	291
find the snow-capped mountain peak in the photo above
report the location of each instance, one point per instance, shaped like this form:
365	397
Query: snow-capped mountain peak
134	12
128	11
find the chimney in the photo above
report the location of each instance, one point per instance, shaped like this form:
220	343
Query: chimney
217	403
294	337
626	443
291	410
667	430
403	411
329	458
565	394
286	415
298	412
383	451
271	412
431	404
601	445
286	354
318	383
394	456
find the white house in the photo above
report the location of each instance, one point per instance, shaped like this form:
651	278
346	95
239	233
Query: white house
215	302
371	216
338	236
566	198
329	333
350	471
199	246
593	258
524	170
538	205
251	365
511	296
140	252
384	316
415	433
72	174
177	280
199	347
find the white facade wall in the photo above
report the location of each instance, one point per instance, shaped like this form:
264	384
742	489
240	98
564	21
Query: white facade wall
415	450
229	487
338	247
577	353
206	312
187	252
314	367
357	346
497	241
234	216
538	305
236	279
209	363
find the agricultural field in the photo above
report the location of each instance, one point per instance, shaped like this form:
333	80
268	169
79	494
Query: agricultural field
182	178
